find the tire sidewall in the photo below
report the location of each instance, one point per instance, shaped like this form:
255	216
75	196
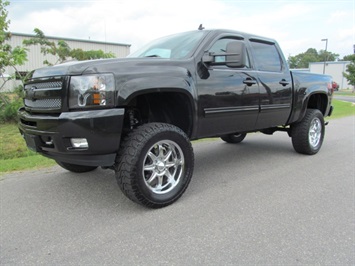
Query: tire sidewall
317	115
301	131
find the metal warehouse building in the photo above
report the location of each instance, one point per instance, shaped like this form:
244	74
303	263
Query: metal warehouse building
335	69
36	58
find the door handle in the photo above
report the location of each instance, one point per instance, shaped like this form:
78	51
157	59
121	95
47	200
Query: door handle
283	82
249	81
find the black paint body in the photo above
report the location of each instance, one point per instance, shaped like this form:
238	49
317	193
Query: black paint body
221	99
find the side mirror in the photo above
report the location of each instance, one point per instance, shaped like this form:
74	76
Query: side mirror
207	58
235	54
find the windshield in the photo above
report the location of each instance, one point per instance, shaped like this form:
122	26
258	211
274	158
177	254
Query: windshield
176	46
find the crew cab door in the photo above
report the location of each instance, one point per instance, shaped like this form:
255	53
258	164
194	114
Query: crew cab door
227	94
275	84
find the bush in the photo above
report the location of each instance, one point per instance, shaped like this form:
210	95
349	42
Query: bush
9	104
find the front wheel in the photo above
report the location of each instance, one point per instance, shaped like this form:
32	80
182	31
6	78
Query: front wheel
155	164
308	134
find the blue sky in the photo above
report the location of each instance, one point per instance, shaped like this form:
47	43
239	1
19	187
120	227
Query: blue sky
296	24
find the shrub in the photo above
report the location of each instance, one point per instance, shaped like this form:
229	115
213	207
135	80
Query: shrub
9	104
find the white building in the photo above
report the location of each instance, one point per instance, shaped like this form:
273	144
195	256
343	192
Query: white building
334	69
35	58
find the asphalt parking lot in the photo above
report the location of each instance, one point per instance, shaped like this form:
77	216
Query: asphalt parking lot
258	202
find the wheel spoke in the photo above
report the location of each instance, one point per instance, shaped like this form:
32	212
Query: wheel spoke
315	132
171	179
167	155
152	156
152	177
162	166
149	167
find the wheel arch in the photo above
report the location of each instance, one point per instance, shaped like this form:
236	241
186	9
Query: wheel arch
316	100
166	105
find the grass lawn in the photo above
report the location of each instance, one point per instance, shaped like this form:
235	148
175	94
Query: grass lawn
342	109
15	156
344	93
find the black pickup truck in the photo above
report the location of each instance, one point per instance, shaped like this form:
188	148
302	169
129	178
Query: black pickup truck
137	115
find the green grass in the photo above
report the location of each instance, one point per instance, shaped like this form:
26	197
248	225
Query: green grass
344	93
12	145
342	109
24	163
15	156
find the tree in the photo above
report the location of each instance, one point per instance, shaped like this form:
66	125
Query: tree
9	57
347	57
350	69
80	54
62	50
302	60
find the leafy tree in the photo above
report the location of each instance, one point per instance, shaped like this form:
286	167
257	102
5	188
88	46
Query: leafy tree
80	54
350	75
347	57
302	60
62	50
9	57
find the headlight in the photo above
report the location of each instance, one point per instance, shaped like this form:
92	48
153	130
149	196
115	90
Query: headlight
91	91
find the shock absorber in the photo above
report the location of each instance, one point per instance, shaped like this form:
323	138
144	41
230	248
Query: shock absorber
133	121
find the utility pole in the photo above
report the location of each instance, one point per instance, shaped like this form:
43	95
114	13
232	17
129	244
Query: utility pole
325	53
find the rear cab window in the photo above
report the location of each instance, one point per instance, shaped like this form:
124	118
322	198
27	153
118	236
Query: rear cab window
266	56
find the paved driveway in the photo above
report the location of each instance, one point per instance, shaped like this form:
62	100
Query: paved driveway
258	202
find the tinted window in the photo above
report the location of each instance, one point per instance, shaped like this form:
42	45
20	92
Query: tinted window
267	57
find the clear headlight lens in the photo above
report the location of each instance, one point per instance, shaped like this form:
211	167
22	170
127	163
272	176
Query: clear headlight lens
91	91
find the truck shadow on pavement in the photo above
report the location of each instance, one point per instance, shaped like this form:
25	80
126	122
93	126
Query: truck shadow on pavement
213	160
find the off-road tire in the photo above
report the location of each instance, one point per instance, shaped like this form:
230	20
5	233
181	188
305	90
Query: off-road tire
76	168
234	138
308	134
154	165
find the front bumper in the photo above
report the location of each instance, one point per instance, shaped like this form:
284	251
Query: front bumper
50	135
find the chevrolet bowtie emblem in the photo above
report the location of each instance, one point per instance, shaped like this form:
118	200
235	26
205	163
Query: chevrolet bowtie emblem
31	93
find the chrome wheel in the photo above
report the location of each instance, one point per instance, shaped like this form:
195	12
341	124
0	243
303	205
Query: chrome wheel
315	132
308	134
163	166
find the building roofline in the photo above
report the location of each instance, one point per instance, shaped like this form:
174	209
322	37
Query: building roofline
70	39
331	62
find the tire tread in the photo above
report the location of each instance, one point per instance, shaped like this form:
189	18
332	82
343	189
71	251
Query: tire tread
127	160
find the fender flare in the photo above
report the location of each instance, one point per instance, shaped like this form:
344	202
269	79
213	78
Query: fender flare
147	85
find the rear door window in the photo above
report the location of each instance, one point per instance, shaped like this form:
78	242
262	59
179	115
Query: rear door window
266	56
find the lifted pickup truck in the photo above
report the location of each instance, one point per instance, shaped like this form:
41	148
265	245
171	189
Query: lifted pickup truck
137	115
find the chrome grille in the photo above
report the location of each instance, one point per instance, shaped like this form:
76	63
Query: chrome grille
44	94
44	103
45	85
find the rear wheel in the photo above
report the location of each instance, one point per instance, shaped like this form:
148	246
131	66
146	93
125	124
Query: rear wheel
234	138
308	134
155	164
76	168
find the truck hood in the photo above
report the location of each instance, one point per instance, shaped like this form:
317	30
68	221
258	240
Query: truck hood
120	65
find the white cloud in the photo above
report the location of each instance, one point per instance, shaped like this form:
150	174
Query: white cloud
296	25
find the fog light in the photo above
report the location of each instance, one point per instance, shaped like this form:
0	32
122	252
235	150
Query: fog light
79	143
